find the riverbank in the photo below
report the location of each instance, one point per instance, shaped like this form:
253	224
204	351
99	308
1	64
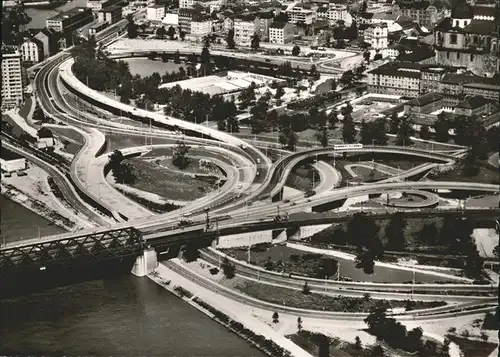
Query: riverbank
33	192
234	311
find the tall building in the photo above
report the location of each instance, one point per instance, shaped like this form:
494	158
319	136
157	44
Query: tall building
31	50
70	20
461	40
245	27
12	82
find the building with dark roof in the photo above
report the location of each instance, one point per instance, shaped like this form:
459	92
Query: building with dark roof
469	41
424	12
281	32
474	105
70	20
424	104
395	78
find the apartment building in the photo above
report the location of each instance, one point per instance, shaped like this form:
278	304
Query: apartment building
98	5
395	78
281	32
31	50
110	14
70	20
185	17
376	36
245	27
185	4
201	25
338	12
266	18
424	12
301	13
12	82
155	12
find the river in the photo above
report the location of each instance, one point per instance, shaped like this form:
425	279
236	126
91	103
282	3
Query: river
120	316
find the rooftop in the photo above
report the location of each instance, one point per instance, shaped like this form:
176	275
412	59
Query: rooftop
395	69
9	155
472	102
462	10
278	25
68	14
111	8
480	27
425	99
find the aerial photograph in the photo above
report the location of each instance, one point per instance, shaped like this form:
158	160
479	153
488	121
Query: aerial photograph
250	178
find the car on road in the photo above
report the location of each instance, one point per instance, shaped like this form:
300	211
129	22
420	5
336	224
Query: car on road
292	204
240	186
286	201
268	60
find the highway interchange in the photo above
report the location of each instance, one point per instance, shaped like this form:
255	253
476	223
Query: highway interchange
245	199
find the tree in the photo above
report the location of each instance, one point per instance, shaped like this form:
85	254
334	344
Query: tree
424	132
171	32
322	136
190	253
38	114
495	252
377	351
348	130
365	261
161	32
279	93
230	39
177	57
255	41
366	56
205	60
305	289
276	318
428	234
394	123
180	158
299	324
405	132
123	173
378	56
347	78
442	127
228	269
131	27
474	262
182	35
395	232
287	138
374	132
357	343
313	72
295	50
328	267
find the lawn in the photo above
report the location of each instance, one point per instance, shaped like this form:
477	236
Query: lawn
146	67
301	178
486	174
314	301
153	178
69	134
472	348
347	267
367	174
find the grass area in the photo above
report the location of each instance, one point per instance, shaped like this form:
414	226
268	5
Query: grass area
153	178
301	178
347	267
121	141
314	301
367	174
486	174
25	109
16	129
69	134
146	67
473	348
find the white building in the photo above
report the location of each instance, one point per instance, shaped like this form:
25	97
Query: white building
337	12
186	3
300	13
171	19
155	13
31	51
244	28
12	82
281	32
96	5
228	24
11	162
201	26
376	36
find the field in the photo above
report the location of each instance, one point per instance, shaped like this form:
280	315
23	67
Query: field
153	178
486	174
366	174
347	267
472	348
315	301
145	67
25	109
72	139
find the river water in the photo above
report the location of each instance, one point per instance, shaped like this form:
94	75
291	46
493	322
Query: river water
119	316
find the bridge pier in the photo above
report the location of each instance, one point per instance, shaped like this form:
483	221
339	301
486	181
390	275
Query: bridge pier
278	196
145	263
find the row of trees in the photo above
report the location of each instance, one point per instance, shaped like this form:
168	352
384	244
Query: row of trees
396	335
122	171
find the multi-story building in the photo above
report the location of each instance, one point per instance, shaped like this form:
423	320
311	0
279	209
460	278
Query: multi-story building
155	12
110	14
97	5
462	41
228	24
281	32
376	36
424	104
245	27
301	13
12	81
184	4
31	50
424	12
185	17
395	78
201	25
70	20
337	11
473	105
430	79
48	38
266	18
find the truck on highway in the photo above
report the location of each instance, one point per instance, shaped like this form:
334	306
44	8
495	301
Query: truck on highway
309	193
396	311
